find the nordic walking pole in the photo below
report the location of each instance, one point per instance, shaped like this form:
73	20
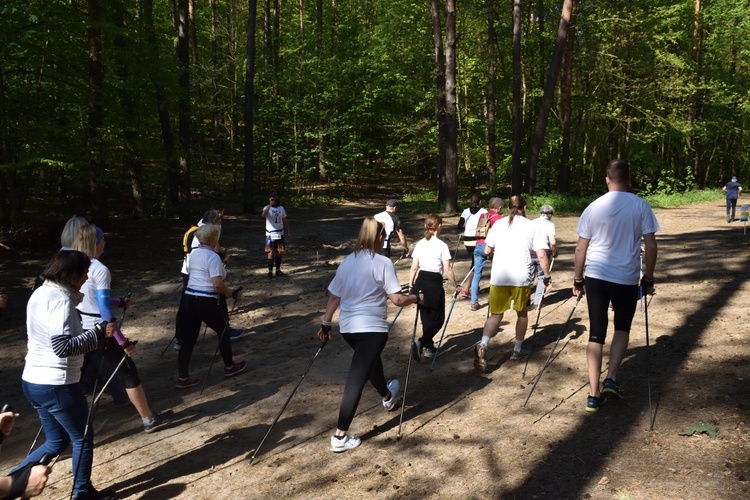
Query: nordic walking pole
455	252
445	327
533	334
648	365
104	387
395	318
408	367
221	337
257	448
546	363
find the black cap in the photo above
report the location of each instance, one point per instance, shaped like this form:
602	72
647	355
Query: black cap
391	203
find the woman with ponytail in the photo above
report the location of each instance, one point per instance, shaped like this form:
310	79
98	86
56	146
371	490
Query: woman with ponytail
431	258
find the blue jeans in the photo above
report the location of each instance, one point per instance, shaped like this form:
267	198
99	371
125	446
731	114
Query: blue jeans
479	259
63	410
539	283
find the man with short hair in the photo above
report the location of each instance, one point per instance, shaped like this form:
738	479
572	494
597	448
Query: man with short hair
392	224
609	247
732	190
545	228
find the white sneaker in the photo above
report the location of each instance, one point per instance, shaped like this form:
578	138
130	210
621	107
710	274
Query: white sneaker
346	443
393	386
427	352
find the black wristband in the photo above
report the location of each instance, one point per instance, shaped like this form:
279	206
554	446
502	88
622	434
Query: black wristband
18	481
326	328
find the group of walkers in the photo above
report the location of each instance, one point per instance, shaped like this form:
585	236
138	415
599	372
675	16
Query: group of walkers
608	271
70	317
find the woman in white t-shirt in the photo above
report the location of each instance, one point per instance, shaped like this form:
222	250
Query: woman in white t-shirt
201	304
363	283
97	306
431	260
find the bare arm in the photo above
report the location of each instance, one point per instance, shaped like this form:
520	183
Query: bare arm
402	239
221	287
553	245
413	271
331	306
650	257
580	260
402	300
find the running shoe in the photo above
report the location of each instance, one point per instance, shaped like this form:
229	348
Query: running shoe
345	443
159	419
235	333
393	386
235	369
479	362
184	383
611	387
593	403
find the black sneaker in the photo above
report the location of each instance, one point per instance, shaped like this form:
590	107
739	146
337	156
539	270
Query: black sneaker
93	494
611	387
159	420
280	273
269	275
593	403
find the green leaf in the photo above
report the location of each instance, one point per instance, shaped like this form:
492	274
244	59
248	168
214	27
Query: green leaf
700	428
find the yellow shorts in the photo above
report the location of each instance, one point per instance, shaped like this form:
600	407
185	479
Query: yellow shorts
501	298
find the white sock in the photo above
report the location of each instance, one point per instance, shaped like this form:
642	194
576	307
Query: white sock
485	341
519	343
149	420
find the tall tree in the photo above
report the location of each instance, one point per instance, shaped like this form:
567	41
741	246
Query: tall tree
549	93
516	114
248	190
566	90
96	112
439	79
183	105
451	112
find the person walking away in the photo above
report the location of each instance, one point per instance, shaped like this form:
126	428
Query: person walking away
363	282
609	250
431	261
546	231
480	258
513	240
732	190
468	224
393	228
277	228
201	304
95	307
51	375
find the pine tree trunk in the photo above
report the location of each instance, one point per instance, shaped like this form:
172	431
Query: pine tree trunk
96	113
566	89
249	186
439	72
183	107
516	115
549	94
490	99
451	142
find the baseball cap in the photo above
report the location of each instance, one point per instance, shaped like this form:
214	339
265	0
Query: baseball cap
734	178
391	203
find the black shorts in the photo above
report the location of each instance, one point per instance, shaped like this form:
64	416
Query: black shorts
599	294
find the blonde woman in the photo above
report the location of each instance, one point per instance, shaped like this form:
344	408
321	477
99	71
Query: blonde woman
363	282
431	260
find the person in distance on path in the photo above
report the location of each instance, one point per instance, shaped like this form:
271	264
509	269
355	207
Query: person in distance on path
512	239
480	258
468	224
546	229
609	249
431	262
733	189
277	229
393	229
363	282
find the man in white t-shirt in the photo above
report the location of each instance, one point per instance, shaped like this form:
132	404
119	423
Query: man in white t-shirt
392	224
277	229
512	240
609	247
546	233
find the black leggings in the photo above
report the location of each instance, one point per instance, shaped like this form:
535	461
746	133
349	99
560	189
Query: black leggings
193	311
106	358
432	312
366	365
599	294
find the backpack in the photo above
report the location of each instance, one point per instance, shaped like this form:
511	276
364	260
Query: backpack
187	239
483	226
